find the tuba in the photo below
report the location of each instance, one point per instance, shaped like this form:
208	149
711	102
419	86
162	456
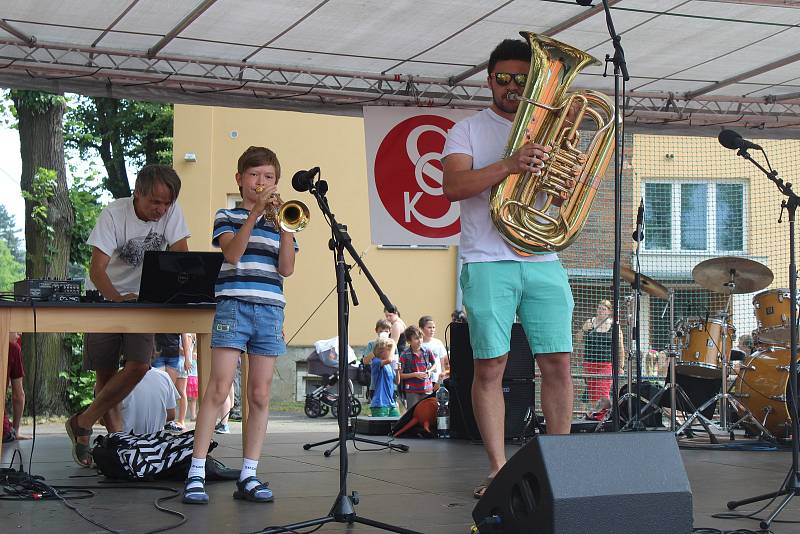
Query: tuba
292	216
545	212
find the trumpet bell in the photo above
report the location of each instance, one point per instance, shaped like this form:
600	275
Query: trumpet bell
293	216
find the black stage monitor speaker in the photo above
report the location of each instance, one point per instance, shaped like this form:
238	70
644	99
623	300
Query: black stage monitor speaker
606	483
518	384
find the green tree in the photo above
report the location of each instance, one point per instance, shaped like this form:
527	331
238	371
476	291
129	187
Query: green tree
48	230
11	270
121	132
8	234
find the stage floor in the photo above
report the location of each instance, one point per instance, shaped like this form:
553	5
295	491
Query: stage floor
428	489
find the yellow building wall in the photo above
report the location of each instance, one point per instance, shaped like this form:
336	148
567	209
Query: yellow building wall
703	158
419	282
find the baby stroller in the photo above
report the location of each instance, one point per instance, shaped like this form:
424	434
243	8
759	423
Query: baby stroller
325	398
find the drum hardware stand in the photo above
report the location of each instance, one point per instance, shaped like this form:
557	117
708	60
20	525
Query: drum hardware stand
724	396
343	509
791	487
671	384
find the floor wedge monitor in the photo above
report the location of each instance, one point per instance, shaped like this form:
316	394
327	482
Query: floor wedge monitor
602	483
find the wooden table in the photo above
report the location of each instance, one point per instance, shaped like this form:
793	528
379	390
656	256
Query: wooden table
110	317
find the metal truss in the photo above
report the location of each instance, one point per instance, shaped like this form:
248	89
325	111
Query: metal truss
119	73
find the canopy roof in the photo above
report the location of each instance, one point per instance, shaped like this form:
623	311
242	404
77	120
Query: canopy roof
692	62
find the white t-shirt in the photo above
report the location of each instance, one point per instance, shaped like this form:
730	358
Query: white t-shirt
144	410
124	237
483	136
439	351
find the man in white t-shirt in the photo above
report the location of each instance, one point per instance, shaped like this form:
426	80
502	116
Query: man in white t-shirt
126	228
150	405
497	283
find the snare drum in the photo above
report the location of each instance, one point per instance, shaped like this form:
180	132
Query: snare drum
772	310
762	386
701	347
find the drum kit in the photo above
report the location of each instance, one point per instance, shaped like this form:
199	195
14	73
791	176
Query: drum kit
755	396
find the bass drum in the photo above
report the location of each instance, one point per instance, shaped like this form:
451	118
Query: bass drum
762	386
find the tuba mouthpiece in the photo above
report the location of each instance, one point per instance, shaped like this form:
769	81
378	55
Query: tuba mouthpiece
512	96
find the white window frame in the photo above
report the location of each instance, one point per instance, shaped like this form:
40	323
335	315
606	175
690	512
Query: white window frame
711	215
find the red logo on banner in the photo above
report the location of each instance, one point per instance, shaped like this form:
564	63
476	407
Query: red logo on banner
408	177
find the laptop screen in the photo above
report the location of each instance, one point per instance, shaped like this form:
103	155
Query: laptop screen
179	277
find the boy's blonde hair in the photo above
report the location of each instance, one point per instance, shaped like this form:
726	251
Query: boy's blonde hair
382	344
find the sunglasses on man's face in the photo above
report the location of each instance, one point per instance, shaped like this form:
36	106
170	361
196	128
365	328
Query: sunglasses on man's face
504	78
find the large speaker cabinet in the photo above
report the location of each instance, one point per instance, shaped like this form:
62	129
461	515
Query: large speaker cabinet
518	384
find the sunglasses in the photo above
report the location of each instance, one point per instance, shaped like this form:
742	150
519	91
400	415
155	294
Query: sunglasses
504	78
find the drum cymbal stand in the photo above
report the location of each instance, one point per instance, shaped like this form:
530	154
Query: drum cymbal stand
724	397
791	485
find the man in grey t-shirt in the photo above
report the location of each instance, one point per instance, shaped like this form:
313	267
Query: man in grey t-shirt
126	228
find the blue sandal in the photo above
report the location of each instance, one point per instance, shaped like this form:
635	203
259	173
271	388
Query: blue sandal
258	493
194	491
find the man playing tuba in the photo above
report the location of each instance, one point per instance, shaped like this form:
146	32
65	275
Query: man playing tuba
497	282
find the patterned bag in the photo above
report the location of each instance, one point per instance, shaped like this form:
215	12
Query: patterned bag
157	456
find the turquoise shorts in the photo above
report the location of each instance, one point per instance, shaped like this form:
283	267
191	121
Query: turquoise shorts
495	293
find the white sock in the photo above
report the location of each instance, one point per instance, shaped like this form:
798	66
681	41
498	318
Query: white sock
198	468
249	468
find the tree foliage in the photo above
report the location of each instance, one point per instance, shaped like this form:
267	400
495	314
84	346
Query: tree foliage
8	235
11	270
123	133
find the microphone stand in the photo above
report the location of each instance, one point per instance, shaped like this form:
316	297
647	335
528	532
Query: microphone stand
343	510
620	71
635	355
791	487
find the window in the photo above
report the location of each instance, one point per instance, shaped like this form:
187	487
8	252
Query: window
694	216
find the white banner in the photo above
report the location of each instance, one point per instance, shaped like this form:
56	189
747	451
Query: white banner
407	205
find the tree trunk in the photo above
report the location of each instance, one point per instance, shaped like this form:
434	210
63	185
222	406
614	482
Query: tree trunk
42	147
112	148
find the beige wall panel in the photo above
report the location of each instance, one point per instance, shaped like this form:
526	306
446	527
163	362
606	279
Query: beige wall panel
418	281
704	159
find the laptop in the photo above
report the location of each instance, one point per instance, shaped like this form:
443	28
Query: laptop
179	277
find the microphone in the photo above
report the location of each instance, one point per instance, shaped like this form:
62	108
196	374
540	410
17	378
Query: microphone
734	141
304	180
638	234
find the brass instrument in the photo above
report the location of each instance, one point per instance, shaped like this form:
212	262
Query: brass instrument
291	216
545	212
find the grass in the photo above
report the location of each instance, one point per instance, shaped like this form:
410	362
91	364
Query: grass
287	406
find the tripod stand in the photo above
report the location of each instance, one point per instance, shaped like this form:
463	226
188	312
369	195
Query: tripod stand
791	487
343	510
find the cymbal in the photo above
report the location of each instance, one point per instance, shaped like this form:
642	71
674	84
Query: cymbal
748	275
649	286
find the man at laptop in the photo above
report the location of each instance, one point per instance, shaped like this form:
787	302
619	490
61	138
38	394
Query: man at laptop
126	228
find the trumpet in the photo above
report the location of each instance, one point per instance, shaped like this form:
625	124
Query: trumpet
291	216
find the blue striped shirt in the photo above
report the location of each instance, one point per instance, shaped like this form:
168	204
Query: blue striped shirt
255	278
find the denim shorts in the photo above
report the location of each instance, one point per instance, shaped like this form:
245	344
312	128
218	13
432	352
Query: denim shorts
537	292
182	372
165	361
247	326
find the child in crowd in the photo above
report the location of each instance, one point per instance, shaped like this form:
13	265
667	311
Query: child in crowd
442	368
382	329
384	379
416	365
249	318
192	389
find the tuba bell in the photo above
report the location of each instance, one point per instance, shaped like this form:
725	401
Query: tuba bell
545	212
